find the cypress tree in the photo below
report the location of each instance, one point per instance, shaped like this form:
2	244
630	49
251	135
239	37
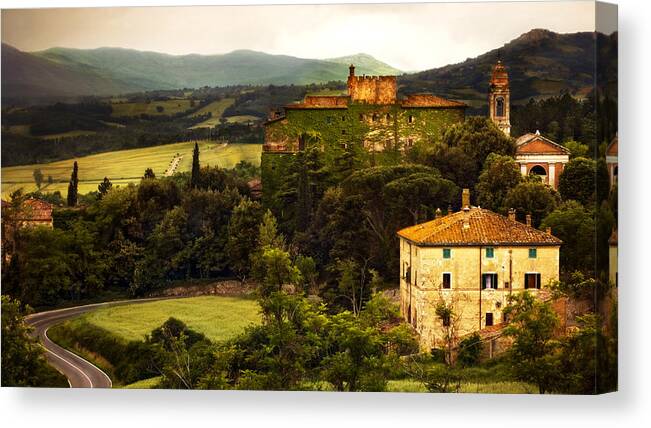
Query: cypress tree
72	186
104	187
194	178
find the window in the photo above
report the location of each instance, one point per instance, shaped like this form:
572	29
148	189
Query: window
533	253
489	319
446	280
489	281
490	252
408	274
506	284
447	253
410	119
344	146
499	107
532	280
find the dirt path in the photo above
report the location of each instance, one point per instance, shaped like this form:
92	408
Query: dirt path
173	166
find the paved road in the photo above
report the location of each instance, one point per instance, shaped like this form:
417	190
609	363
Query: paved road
80	373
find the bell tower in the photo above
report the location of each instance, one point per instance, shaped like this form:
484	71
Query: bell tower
499	98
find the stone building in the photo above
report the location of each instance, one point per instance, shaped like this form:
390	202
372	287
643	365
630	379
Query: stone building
370	122
538	155
612	162
499	98
470	262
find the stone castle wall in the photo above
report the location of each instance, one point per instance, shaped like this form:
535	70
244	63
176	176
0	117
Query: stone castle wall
373	89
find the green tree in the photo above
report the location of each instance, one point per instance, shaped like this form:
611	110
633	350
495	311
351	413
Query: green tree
278	271
243	237
23	360
499	176
196	169
149	174
478	137
104	187
534	353
530	197
577	181
575	226
73	186
38	177
577	149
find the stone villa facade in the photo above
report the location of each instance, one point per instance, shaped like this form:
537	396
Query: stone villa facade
470	261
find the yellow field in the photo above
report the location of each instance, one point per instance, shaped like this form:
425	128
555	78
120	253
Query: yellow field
136	109
126	166
216	108
241	119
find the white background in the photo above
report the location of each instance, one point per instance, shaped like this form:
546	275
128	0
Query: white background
628	407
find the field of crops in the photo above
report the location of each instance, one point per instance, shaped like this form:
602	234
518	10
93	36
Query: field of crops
125	166
153	108
216	108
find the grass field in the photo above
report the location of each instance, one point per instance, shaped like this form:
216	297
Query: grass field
217	317
216	108
410	385
151	108
242	119
125	166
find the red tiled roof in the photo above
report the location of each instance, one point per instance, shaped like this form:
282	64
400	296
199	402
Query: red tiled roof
537	144
486	228
321	101
613	147
429	100
36	210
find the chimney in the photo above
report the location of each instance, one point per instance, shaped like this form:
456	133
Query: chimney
449	209
466	218
438	213
465	198
529	220
351	70
511	214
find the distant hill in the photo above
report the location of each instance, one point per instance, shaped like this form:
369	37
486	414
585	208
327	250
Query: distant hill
540	63
70	72
26	76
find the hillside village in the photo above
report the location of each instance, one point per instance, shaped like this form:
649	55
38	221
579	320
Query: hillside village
387	240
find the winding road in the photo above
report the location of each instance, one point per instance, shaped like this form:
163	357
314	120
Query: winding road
80	372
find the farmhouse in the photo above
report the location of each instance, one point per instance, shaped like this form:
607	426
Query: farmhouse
469	262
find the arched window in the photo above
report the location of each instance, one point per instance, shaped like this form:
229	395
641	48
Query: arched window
499	107
539	171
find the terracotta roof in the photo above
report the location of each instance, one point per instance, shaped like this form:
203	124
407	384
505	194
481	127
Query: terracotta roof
613	238
321	101
36	210
429	100
486	228
613	147
537	144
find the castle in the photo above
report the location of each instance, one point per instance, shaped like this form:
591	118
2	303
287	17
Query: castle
369	122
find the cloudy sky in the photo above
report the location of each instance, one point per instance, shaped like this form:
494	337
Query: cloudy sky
407	36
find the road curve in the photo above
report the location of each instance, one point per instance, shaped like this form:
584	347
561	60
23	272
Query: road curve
80	372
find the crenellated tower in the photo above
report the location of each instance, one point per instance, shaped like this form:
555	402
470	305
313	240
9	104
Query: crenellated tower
499	98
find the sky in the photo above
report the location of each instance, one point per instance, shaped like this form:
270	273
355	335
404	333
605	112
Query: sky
407	36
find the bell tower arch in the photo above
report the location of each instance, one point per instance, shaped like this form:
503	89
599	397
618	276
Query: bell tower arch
499	98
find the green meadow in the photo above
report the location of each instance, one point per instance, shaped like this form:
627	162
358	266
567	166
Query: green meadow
218	317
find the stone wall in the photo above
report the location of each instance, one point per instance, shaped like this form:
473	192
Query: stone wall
373	89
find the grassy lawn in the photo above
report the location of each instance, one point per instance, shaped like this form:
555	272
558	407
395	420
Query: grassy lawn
216	108
217	317
508	387
125	166
144	384
135	109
